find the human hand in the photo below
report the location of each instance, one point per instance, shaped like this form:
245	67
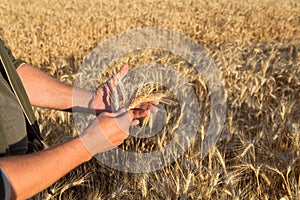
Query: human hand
102	96
109	130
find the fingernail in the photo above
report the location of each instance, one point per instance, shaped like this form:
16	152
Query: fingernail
135	122
148	112
154	109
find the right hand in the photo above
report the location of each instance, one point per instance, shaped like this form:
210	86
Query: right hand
109	130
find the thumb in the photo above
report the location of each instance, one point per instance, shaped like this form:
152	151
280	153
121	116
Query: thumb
123	71
114	80
124	120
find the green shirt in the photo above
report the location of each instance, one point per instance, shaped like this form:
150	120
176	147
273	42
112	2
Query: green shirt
13	135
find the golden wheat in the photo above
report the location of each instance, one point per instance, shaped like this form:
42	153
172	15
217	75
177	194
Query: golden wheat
255	45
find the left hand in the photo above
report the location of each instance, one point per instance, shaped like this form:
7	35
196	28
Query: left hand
101	101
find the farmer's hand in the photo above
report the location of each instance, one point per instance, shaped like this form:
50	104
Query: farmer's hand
102	96
109	130
101	100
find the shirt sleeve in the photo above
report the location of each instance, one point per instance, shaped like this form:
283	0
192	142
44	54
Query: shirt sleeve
16	62
5	189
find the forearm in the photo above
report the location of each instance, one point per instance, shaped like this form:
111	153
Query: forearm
32	173
46	91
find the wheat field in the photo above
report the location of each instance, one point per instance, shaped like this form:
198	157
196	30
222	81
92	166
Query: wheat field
255	45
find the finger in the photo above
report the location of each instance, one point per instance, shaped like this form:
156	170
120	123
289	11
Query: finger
114	80
139	113
154	102
123	71
120	113
154	109
135	122
147	106
151	103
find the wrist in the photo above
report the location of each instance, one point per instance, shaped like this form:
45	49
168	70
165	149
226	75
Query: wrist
83	101
84	152
96	103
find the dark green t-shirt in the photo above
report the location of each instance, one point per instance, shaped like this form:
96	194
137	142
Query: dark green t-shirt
13	135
